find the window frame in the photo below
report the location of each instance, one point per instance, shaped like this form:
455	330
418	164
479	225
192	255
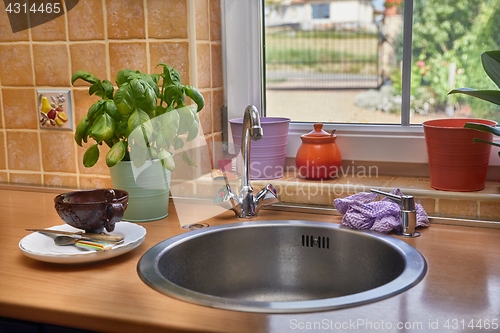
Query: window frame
244	77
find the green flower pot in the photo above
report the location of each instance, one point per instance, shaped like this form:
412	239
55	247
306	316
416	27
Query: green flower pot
148	189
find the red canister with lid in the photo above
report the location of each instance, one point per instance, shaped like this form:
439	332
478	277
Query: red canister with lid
318	157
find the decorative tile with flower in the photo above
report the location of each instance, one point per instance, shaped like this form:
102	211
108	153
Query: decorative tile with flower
54	108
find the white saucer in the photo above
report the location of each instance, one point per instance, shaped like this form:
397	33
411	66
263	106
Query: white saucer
41	246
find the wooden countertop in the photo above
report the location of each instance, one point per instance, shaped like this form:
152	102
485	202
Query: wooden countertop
462	284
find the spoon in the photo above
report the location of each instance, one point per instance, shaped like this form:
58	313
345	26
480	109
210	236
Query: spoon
88	245
65	240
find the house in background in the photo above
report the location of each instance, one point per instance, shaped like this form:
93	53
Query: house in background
321	14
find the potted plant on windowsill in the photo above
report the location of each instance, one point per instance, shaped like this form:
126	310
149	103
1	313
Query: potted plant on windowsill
143	122
456	162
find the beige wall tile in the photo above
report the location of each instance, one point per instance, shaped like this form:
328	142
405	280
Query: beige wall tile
458	208
217	105
58	151
90	57
86	21
203	65
205	114
125	19
3	162
23	150
4	177
429	204
33	179
217	80
202	20
50	30
6	33
16	65
65	181
51	64
20	109
489	210
215	20
91	182
127	55
176	54
176	26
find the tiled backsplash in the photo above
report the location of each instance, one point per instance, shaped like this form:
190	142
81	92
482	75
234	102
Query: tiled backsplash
100	36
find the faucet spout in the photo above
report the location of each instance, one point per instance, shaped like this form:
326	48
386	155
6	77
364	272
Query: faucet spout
251	130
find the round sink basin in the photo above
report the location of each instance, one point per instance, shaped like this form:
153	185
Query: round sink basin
281	267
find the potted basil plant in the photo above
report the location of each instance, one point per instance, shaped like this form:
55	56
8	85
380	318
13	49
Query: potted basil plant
143	122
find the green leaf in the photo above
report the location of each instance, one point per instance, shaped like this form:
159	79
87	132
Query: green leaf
95	89
492	96
170	74
94	110
140	119
193	131
170	125
173	95
116	153
478	140
111	109
178	143
85	76
167	160
81	131
483	128
108	89
124	100
138	87
187	159
196	96
103	128
123	76
491	65
186	120
91	156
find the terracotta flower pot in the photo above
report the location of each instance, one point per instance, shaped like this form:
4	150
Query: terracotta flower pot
456	163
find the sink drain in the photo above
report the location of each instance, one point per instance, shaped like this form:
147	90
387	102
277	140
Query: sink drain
195	226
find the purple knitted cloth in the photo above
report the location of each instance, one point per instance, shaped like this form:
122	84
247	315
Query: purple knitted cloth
362	211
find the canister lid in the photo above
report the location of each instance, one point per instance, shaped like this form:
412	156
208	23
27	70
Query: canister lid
318	135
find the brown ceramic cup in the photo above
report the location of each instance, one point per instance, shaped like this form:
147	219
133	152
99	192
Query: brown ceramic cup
92	210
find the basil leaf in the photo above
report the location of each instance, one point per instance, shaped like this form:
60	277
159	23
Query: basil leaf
85	76
196	96
91	156
103	128
124	101
116	153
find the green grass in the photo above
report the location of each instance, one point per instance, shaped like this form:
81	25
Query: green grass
322	51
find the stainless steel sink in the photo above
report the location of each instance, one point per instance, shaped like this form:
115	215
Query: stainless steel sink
281	267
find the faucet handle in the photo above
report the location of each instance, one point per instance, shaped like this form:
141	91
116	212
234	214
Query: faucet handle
227	199
266	196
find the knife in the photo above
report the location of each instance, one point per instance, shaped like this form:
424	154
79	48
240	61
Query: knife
82	235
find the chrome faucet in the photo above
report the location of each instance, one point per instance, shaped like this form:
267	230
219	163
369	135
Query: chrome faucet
246	204
408	212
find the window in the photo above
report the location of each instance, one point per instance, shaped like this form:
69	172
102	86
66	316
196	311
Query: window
389	131
320	11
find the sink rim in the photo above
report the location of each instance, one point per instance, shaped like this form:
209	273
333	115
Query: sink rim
414	271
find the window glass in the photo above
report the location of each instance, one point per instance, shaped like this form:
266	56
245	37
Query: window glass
341	61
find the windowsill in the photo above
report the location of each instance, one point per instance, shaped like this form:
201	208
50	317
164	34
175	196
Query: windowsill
481	205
